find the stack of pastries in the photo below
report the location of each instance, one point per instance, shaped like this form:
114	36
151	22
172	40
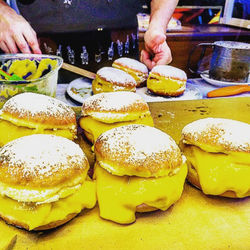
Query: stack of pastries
138	168
44	178
126	74
110	79
43	181
167	80
136	69
31	113
105	111
218	156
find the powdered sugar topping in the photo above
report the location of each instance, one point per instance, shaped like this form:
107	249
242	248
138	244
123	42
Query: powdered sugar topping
41	155
113	101
169	71
32	104
116	76
138	143
132	64
228	133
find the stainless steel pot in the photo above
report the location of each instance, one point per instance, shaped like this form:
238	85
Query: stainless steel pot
230	61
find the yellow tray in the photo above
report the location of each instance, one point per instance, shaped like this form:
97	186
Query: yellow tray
196	221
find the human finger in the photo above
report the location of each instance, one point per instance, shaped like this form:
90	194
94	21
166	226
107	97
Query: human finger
145	58
10	43
31	38
3	47
22	43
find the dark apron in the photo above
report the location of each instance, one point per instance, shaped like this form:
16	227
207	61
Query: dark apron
79	15
99	25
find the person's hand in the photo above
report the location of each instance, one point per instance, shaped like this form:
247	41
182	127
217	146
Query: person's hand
156	50
16	34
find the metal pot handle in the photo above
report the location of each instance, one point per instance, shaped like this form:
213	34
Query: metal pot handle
204	47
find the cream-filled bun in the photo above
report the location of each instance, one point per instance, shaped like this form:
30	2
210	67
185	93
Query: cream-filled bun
218	156
31	113
43	182
105	111
138	70
138	168
167	80
110	79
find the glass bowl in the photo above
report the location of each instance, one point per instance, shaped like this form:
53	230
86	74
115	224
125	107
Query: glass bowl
46	84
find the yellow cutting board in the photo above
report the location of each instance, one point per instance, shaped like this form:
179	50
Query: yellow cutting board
196	221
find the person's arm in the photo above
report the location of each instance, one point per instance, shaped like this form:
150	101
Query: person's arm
16	34
156	49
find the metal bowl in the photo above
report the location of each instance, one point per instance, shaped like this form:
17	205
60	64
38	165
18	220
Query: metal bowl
45	84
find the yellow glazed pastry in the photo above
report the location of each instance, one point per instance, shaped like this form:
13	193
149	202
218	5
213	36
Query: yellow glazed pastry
109	79
218	156
138	70
105	111
43	182
167	80
138	168
31	113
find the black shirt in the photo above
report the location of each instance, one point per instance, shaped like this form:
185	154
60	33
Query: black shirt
79	15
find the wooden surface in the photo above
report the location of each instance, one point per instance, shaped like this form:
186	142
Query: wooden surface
196	221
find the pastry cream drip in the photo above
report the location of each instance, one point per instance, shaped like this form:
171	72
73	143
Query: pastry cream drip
116	76
218	134
33	215
122	101
220	172
41	155
96	127
163	85
17	131
99	86
35	125
123	143
31	104
169	71
132	64
118	196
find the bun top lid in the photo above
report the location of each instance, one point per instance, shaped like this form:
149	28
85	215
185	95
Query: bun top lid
169	71
117	76
39	108
218	134
132	64
121	101
138	150
41	160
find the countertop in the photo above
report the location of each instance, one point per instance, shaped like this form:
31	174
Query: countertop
198	83
196	221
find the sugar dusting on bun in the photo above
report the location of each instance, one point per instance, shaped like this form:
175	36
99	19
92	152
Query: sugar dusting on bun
132	64
223	134
138	150
39	108
169	71
122	101
117	76
41	160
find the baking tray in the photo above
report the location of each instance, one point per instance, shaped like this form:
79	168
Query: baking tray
196	221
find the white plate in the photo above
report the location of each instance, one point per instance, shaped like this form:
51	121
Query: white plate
80	89
205	76
190	93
